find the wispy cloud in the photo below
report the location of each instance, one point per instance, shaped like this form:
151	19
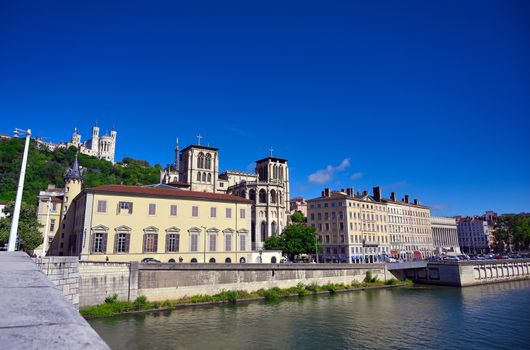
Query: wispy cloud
323	176
395	185
439	206
357	175
235	130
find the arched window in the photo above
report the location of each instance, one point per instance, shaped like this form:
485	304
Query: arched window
280	197
193	260
228	261
212	261
199	176
262	196
252	195
273	196
203	177
242	260
208	164
200	161
273	228
263	231
209	178
273	260
171	260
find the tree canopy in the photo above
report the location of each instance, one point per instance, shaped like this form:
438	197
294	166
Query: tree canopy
298	217
513	232
294	240
28	227
45	167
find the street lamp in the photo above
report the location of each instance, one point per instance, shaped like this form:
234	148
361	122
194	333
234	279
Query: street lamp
18	200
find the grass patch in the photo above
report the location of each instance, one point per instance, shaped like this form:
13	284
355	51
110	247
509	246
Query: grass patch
113	306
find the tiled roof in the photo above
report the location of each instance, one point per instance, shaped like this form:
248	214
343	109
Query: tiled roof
166	192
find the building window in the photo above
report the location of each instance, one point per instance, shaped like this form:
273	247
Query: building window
242	242
213	242
199	176
100	242
195	211
126	206
194	243
173	210
241	213
150	243
228	213
102	206
213	212
122	242
172	242
52	225
152	209
228	243
54	206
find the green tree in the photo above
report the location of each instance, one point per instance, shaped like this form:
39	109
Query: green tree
298	218
45	167
294	240
513	232
28	227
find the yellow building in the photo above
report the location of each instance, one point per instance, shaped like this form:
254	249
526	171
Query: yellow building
131	223
49	216
359	228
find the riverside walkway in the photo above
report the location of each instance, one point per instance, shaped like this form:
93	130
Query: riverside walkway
34	314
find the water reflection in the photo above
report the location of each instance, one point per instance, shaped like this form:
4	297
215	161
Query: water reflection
405	318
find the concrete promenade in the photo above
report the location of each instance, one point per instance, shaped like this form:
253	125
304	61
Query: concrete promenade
34	314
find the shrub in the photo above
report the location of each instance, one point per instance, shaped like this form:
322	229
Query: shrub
111	299
272	294
391	282
356	284
370	278
313	287
140	302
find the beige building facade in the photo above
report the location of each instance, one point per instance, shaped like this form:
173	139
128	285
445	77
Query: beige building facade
131	223
49	210
363	228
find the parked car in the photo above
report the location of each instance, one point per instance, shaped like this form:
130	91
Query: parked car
150	260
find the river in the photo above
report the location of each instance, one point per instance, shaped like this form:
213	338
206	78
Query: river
494	316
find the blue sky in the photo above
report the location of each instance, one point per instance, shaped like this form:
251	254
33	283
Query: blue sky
427	98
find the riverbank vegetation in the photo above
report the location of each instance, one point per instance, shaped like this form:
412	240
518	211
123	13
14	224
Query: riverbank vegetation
113	306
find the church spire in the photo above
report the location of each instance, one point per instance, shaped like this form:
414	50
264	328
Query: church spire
74	172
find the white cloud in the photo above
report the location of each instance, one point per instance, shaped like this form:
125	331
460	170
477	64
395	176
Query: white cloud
357	175
323	176
439	206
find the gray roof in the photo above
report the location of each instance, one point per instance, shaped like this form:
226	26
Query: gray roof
74	172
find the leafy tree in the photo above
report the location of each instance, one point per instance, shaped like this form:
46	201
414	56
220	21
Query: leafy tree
28	227
45	167
513	231
294	240
298	217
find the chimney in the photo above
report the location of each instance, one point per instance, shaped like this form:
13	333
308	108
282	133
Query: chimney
327	192
416	202
365	193
377	193
407	198
393	196
349	191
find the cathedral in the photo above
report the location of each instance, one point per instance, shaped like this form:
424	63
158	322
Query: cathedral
196	168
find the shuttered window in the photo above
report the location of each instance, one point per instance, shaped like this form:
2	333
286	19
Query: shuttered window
122	242
150	242
99	243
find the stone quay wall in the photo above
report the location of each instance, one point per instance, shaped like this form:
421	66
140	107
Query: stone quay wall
470	273
88	283
99	280
63	271
172	281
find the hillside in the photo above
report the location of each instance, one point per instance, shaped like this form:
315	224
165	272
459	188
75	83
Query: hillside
48	167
